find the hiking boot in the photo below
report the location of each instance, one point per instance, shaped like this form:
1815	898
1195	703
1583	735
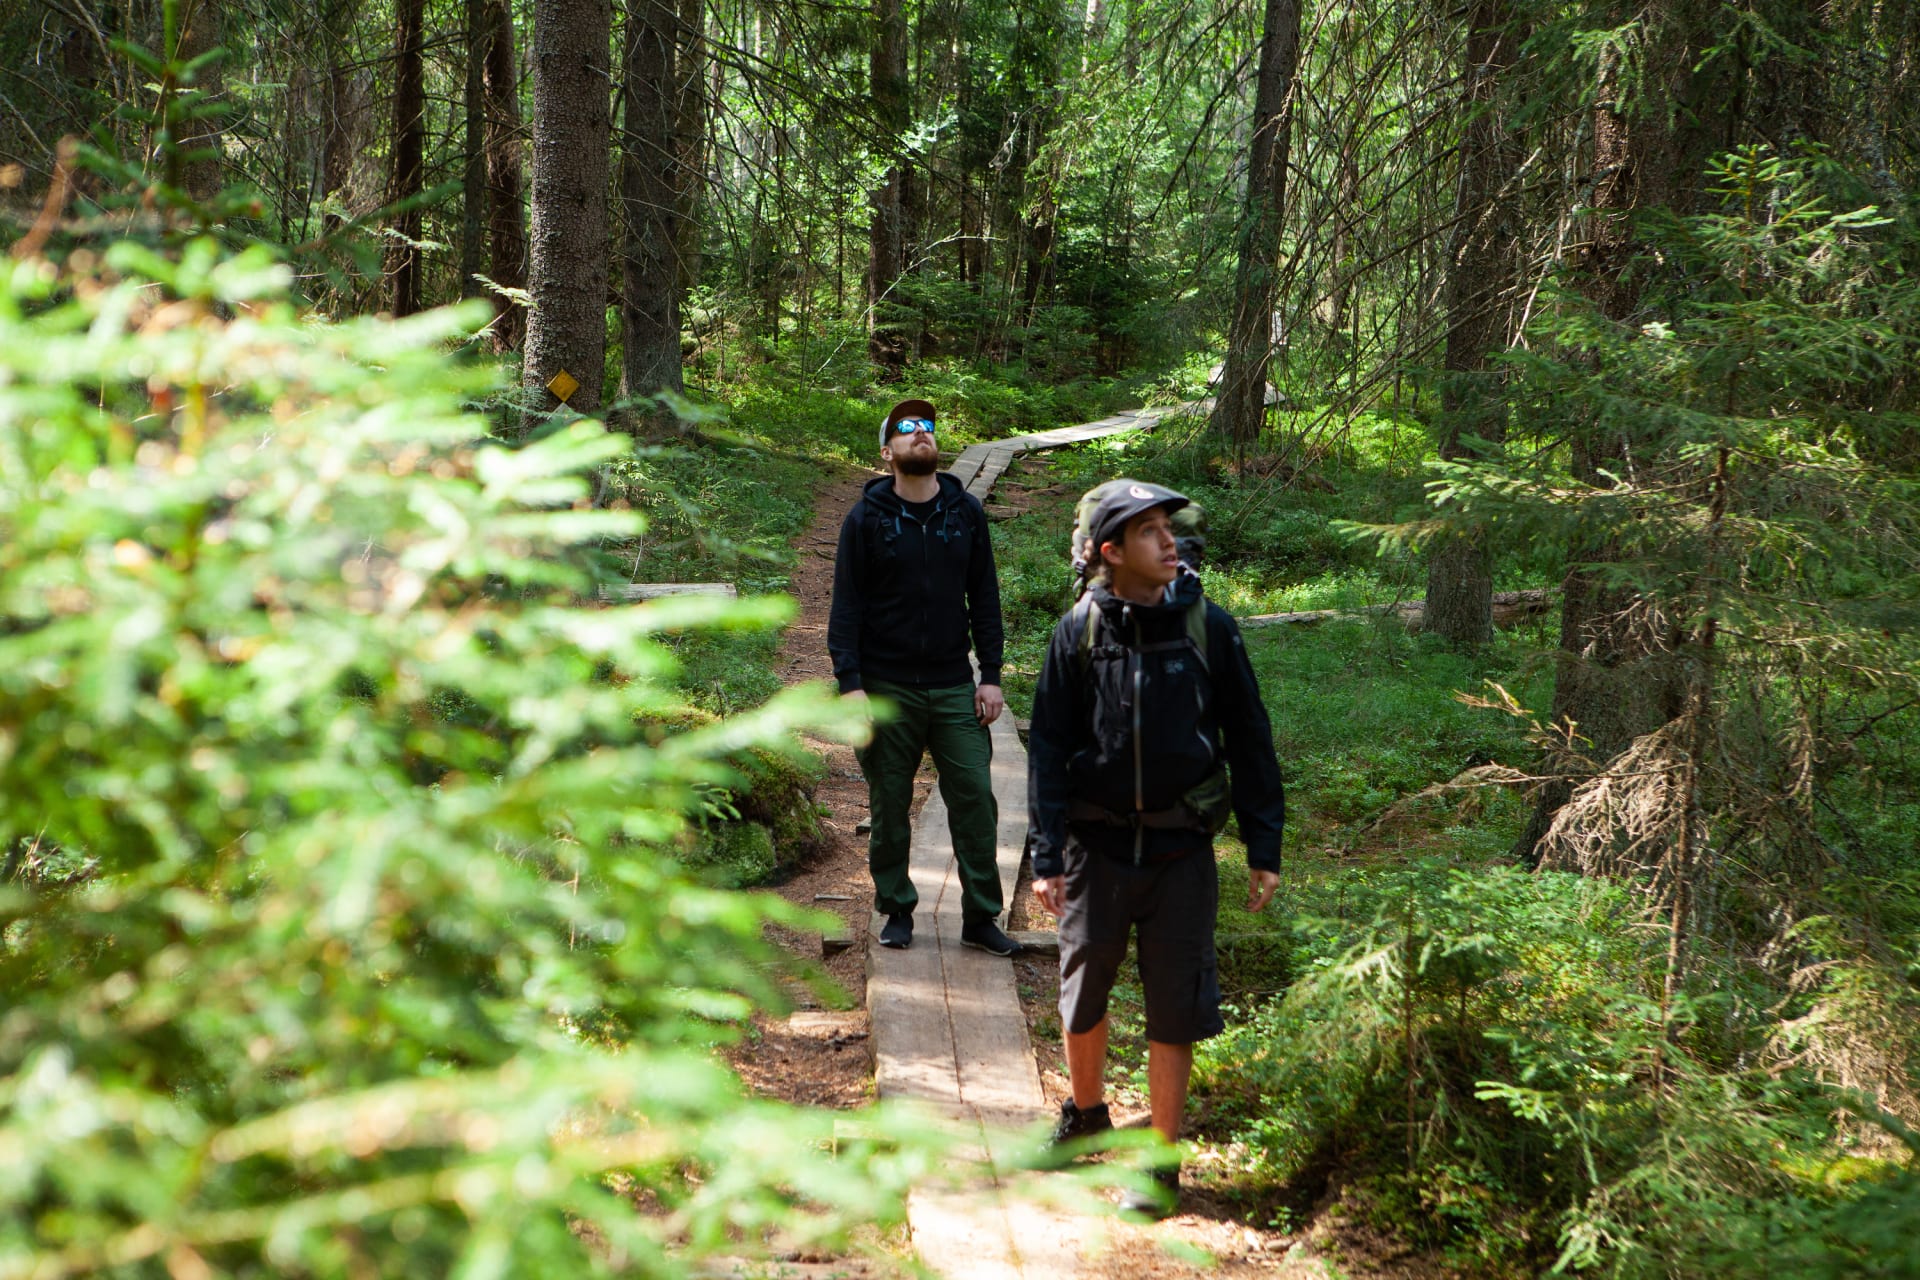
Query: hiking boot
898	932
1075	1123
985	935
1159	1198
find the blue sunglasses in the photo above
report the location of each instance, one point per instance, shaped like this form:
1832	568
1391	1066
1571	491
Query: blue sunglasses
908	426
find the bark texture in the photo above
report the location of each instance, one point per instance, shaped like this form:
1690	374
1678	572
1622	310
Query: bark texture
650	192
409	152
202	176
506	182
886	241
690	137
1479	317
571	123
1240	404
340	137
473	168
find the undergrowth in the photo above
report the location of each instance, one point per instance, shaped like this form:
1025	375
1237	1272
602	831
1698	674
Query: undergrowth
1475	1059
1480	1061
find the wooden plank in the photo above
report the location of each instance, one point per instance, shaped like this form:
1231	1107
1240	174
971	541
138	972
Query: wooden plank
990	471
963	1236
967	465
1002	1232
930	859
906	990
982	484
1053	1243
828	1024
1010	794
1037	942
993	1057
912	1037
980	1027
657	590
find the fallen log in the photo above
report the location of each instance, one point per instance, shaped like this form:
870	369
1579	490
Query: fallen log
660	590
1510	608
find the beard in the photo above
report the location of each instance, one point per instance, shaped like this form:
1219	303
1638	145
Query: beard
916	463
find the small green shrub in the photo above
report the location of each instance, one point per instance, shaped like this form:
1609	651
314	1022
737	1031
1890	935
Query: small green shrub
1485	1056
342	927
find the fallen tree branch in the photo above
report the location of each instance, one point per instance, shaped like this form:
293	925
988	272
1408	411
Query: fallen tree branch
1509	609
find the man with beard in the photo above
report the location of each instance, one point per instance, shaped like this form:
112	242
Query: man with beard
914	588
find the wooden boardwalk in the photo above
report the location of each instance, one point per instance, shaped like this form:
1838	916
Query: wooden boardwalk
949	1033
979	465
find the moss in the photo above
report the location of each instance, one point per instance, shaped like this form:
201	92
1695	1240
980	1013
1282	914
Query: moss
735	854
775	790
779	795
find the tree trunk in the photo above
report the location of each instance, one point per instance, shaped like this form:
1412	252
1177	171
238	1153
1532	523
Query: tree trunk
341	131
409	151
1617	677
85	87
650	193
506	218
202	176
1039	265
1240	407
473	171
567	331
1479	281
690	139
886	248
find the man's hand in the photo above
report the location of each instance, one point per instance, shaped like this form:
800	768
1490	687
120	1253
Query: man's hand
1260	887
988	703
1051	893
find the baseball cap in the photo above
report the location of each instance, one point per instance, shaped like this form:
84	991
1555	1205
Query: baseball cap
905	409
1122	500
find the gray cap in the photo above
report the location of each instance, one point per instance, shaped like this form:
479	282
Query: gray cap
905	409
1122	500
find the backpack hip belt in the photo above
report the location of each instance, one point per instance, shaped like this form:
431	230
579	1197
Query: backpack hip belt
1181	817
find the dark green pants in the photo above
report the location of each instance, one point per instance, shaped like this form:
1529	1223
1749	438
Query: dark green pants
941	721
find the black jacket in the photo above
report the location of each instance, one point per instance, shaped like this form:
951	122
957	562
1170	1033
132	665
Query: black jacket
1082	743
908	595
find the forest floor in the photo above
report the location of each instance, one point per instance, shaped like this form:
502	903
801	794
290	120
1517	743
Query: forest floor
823	1056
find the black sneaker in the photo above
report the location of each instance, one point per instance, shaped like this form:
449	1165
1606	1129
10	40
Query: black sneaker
1159	1198
985	935
898	932
1075	1123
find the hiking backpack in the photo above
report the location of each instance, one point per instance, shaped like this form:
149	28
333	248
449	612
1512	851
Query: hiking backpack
1206	805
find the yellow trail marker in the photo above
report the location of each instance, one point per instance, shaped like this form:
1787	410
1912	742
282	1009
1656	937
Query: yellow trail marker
563	385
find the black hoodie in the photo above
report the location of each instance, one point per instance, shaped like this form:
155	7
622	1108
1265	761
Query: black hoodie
1083	743
908	593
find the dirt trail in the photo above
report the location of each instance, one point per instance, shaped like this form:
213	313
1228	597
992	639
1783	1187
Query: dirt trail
821	1056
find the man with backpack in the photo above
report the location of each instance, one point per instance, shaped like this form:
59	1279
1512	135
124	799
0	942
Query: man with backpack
914	587
1147	729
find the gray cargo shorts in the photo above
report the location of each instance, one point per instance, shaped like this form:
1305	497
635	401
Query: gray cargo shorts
1173	903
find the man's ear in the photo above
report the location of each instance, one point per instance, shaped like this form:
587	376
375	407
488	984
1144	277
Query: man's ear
1111	553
